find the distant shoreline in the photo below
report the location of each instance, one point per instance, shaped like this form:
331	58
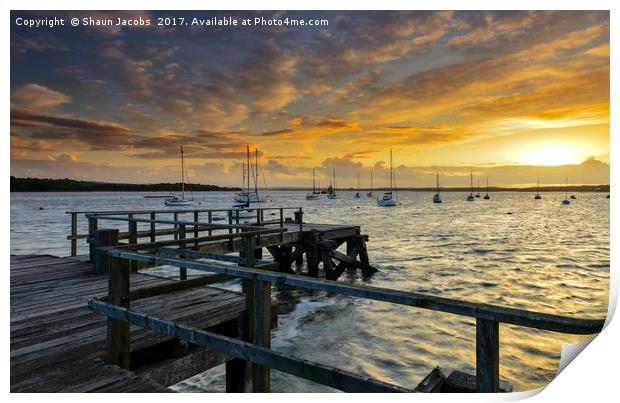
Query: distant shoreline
70	185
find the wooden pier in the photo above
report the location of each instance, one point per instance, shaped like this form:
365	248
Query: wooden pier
57	344
107	325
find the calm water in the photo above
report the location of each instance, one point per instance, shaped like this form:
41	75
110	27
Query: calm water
543	256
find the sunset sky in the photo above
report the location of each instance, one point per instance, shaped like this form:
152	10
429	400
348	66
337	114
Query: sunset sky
512	95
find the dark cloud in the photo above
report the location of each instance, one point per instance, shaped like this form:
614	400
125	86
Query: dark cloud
96	134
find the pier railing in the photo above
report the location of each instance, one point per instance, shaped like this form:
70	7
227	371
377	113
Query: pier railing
202	220
254	348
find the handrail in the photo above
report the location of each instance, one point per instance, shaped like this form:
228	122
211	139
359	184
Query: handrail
520	317
180	211
190	223
93	216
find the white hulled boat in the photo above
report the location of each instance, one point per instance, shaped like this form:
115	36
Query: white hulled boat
332	188
471	185
314	195
249	196
174	200
388	199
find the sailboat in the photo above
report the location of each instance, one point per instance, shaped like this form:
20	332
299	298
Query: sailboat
471	185
538	196
314	195
357	195
369	194
174	200
332	189
436	197
487	196
250	197
478	188
387	200
566	201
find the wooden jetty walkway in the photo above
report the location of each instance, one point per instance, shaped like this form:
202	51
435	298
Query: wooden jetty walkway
57	343
107	325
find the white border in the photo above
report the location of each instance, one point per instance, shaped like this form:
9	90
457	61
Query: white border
592	376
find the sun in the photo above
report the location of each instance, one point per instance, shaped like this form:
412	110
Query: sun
551	155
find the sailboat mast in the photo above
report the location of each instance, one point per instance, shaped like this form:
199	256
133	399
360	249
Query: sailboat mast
371	180
182	175
313	182
437	183
247	157
256	172
538	185
391	173
471	181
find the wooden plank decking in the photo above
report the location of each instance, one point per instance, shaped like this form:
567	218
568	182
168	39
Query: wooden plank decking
56	342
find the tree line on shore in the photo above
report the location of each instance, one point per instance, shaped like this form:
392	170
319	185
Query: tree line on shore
70	185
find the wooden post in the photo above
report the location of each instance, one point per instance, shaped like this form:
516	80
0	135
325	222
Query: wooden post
152	226
175	217
313	258
230	230
230	221
92	227
487	355
182	270
262	332
196	229
299	218
103	237
118	336
210	218
133	239
281	224
73	234
257	325
258	252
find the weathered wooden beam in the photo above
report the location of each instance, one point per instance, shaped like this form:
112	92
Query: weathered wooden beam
520	317
487	356
353	262
92	227
118	336
281	254
74	234
103	238
331	271
258	325
152	234
133	239
323	374
182	269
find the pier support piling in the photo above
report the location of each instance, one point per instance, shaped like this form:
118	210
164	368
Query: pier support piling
103	238
487	355
117	342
